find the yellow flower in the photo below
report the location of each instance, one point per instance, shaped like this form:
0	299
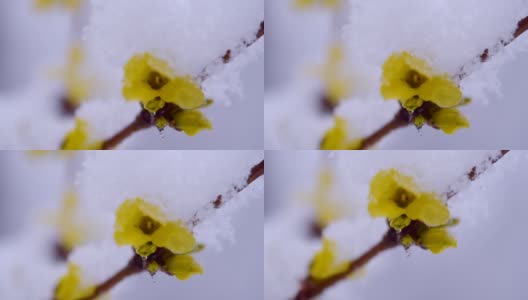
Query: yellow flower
191	122
326	211
148	78
71	231
70	287
397	197
143	226
436	239
337	138
77	138
330	4
412	81
68	4
182	266
77	85
449	120
338	85
325	262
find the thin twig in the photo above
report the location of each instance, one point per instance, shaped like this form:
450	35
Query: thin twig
395	123
255	172
142	122
475	172
311	287
228	55
137	264
134	266
400	120
137	125
522	26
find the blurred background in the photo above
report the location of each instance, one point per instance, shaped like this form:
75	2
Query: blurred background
489	262
34	43
299	39
32	188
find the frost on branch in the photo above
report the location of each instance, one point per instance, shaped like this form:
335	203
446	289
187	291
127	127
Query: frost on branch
181	184
454	50
410	185
127	213
188	35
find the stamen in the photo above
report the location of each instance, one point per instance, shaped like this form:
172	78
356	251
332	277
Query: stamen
148	225
156	80
403	198
415	79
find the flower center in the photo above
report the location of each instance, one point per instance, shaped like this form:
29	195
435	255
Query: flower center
415	79
148	225
403	198
156	80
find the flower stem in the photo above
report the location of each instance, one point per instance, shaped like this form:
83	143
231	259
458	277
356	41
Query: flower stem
137	264
476	171
255	172
311	288
228	54
522	27
400	120
134	266
139	123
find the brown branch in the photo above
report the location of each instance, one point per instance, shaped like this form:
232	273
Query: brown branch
522	26
137	264
143	122
260	33
400	120
476	171
255	172
311	287
228	55
140	122
134	266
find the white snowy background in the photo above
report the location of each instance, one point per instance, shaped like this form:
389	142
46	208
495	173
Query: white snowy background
33	42
32	188
448	32
489	262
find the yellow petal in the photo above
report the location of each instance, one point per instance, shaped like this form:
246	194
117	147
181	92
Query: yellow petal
385	187
183	266
332	4
175	237
400	222
146	250
77	138
324	264
336	138
395	72
69	286
437	240
137	71
129	217
71	231
304	3
449	120
183	92
154	105
143	226
429	209
191	122
43	4
441	90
